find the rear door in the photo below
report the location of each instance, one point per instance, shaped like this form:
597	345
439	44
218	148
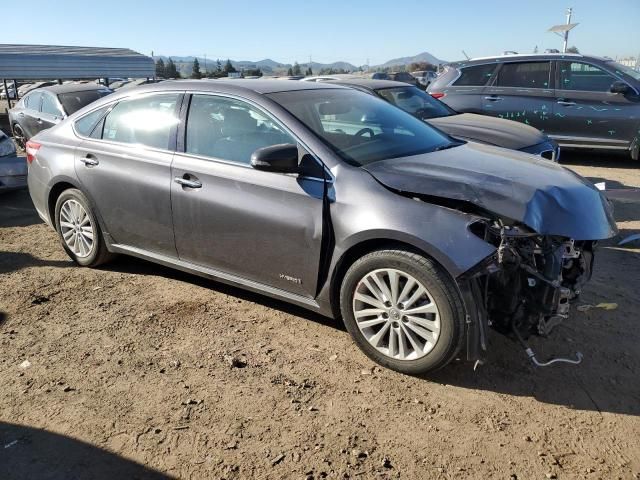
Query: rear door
262	226
522	91
587	113
125	167
464	94
28	117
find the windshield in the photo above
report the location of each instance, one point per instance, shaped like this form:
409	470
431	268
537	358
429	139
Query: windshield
626	70
74	101
418	103
359	127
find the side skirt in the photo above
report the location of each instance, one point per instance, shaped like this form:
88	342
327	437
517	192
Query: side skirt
223	277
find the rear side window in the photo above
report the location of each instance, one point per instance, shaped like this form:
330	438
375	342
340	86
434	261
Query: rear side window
477	76
584	77
229	129
49	105
147	120
32	101
84	126
525	75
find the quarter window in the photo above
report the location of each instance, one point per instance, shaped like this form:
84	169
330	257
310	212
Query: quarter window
525	75
478	75
147	120
584	77
229	129
84	126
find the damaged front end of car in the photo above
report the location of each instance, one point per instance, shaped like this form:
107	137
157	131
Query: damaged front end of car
542	219
526	287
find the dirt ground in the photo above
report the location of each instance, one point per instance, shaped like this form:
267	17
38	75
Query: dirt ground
137	371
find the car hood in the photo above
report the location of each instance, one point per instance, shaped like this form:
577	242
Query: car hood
491	130
545	196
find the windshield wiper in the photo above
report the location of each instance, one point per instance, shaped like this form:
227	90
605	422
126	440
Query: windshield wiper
447	146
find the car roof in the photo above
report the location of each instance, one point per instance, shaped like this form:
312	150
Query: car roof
527	56
370	83
72	87
241	84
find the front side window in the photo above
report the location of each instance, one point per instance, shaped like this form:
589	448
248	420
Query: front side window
584	77
525	75
475	76
49	105
359	127
146	120
229	129
415	101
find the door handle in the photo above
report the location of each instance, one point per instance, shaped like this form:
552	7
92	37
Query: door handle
493	98
39	121
566	103
185	182
89	161
21	114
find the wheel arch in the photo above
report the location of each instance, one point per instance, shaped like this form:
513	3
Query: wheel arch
364	246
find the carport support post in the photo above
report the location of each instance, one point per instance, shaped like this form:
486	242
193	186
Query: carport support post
6	90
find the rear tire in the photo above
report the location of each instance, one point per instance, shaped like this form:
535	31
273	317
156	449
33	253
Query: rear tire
403	311
19	136
79	231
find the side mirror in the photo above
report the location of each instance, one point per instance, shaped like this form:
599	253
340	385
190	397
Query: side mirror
281	158
619	87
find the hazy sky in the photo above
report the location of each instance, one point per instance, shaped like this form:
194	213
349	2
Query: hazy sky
329	30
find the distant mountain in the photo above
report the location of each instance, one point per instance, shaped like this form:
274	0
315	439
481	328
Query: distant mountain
421	57
272	67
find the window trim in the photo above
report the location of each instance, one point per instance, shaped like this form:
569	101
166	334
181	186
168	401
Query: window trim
591	64
182	135
170	145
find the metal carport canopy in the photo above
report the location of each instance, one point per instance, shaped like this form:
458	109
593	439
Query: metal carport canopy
51	62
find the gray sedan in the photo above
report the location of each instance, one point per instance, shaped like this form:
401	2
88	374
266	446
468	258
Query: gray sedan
13	169
328	198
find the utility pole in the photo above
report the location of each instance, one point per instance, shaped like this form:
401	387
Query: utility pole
205	64
566	33
563	30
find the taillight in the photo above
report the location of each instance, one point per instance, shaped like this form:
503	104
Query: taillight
438	94
32	150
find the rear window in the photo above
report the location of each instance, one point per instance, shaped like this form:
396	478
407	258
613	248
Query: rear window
74	101
478	75
525	75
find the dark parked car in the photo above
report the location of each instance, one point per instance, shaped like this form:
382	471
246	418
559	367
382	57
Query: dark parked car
329	198
404	77
464	126
13	169
580	101
44	107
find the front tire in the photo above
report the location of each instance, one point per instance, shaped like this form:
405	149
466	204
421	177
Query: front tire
79	231
403	311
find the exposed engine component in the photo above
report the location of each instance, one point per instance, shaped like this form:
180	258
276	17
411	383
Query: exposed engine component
533	279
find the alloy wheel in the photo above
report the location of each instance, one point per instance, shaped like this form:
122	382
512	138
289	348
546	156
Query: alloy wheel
396	314
76	228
